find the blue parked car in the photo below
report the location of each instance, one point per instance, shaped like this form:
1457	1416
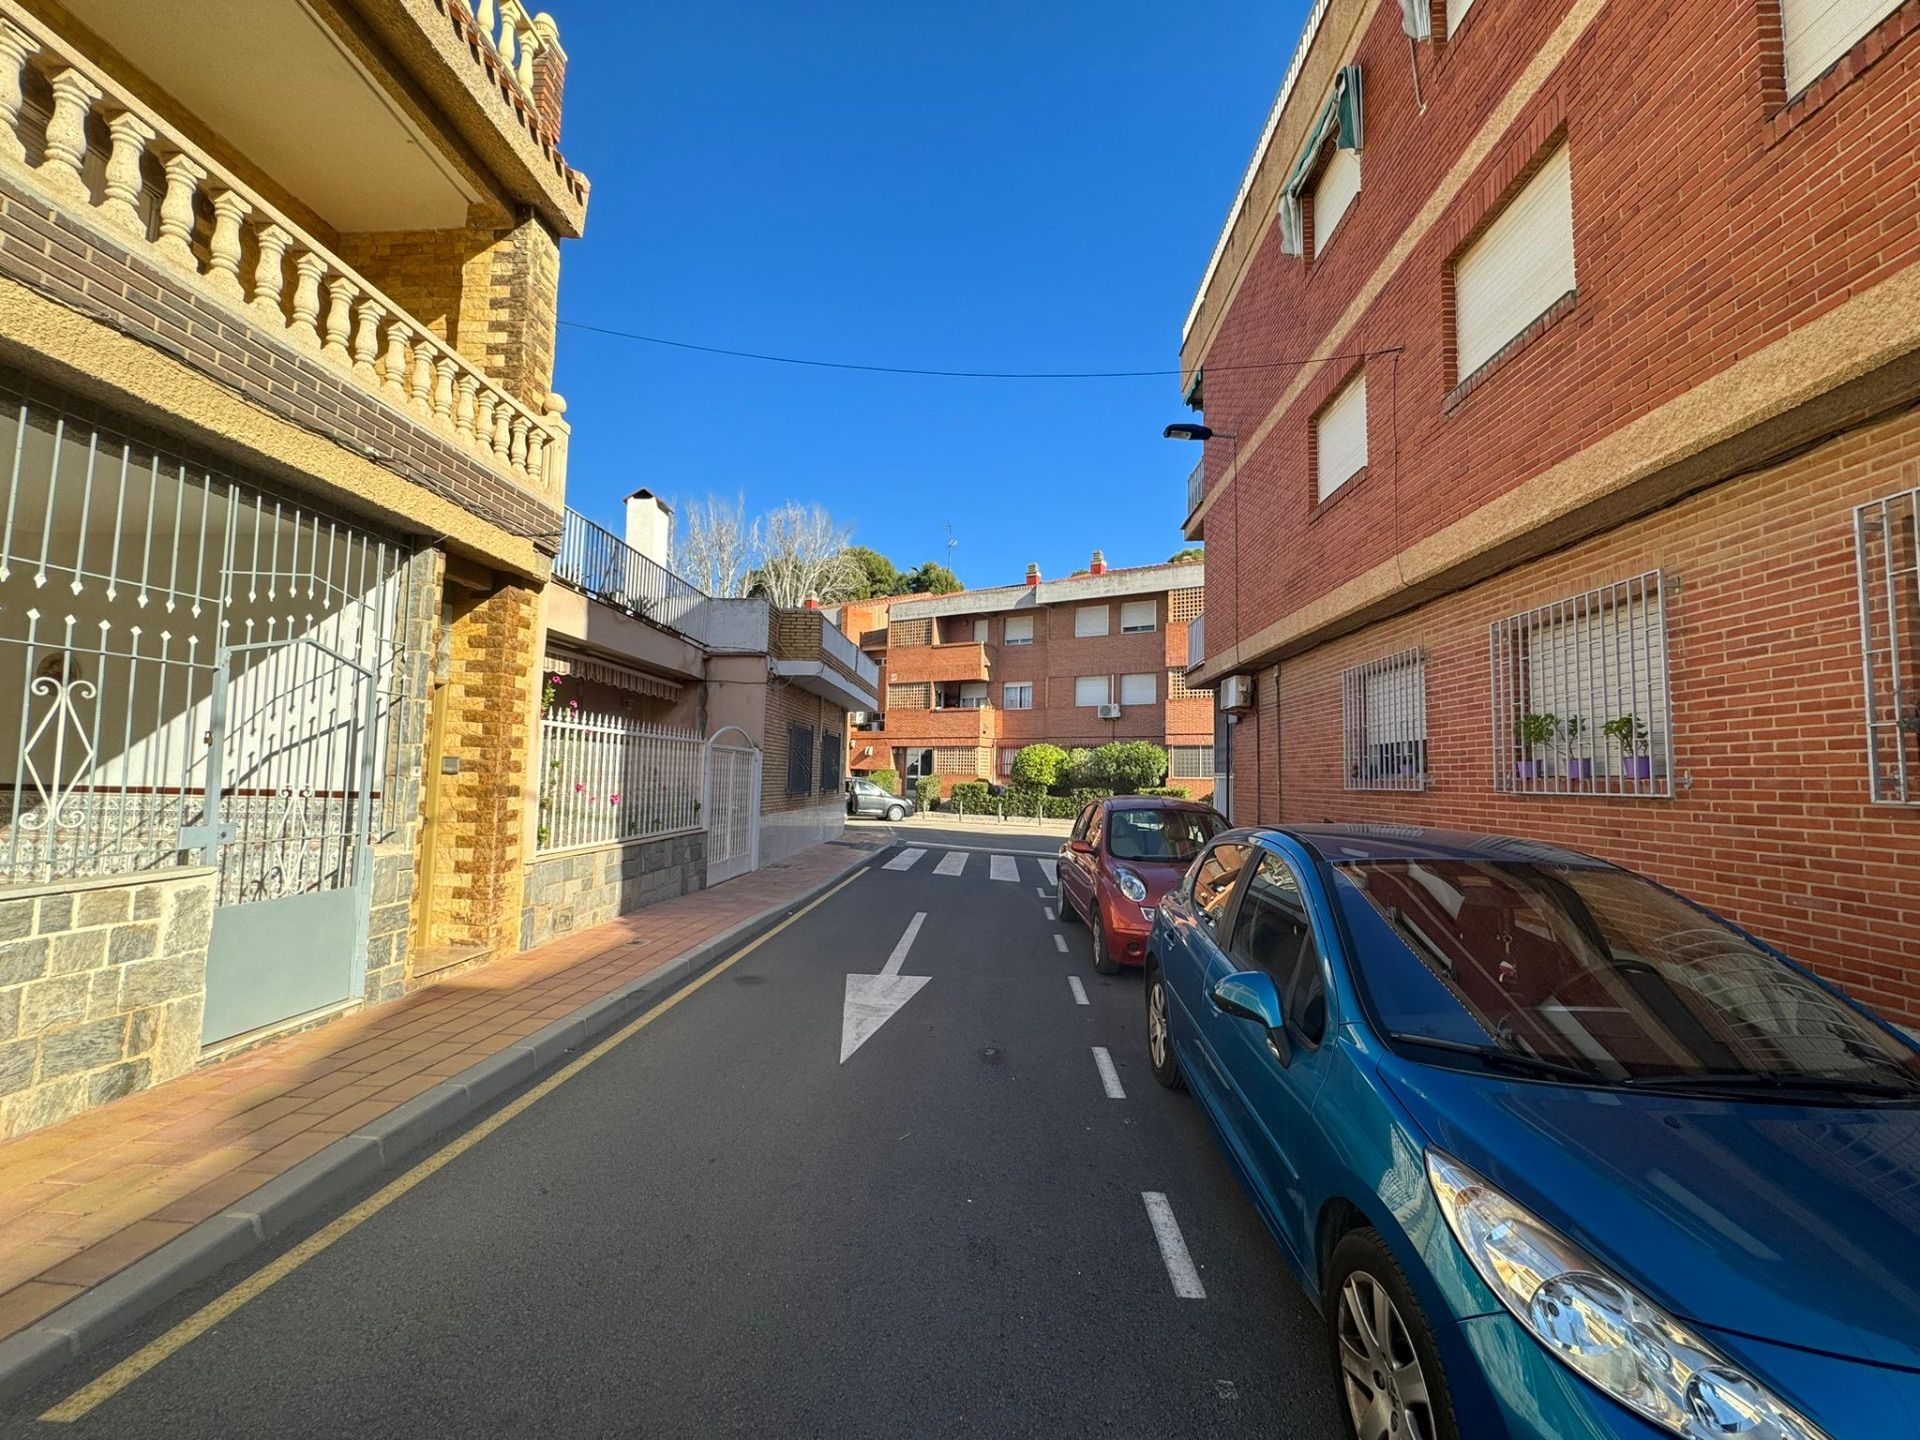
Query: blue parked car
1559	1154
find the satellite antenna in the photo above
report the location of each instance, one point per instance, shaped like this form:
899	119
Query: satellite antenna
951	542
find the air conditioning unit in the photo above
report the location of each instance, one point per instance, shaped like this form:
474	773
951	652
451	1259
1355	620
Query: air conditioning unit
1236	692
1108	712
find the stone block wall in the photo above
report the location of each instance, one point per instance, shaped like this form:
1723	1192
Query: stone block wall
582	888
102	984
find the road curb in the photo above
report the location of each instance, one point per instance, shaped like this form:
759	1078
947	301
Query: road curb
33	1355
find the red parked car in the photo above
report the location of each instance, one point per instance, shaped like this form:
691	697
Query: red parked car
1124	854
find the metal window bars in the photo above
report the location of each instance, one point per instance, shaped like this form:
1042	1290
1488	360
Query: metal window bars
1383	708
606	779
1886	538
1580	694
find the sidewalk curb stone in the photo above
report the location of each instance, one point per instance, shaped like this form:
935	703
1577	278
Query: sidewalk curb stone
86	1322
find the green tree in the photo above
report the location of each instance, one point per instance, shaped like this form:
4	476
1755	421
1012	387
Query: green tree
877	575
931	578
1038	766
1127	766
1192	555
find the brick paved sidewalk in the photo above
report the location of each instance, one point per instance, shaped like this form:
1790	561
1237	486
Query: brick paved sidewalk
82	1200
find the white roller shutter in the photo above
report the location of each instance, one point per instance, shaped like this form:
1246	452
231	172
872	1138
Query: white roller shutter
1090	620
1090	690
1340	438
1818	32
1333	192
1138	690
1456	12
1137	616
1518	268
1019	630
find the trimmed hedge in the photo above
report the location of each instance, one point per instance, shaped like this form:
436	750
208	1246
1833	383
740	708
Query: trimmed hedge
1170	792
926	790
973	794
886	780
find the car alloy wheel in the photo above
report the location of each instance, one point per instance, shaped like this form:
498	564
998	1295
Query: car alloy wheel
896	813
1103	963
1166	1069
1062	906
1384	1381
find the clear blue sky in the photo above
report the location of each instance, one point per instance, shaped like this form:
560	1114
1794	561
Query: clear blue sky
1000	185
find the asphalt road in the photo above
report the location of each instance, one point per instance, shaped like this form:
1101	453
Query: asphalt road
720	1229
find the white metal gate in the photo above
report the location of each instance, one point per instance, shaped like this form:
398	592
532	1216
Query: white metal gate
732	806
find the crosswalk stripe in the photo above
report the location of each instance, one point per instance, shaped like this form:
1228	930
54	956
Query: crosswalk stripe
1051	869
1005	867
905	860
952	863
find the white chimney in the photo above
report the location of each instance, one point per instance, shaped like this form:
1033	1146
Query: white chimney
650	527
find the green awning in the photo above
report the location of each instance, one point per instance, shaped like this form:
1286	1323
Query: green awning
1342	117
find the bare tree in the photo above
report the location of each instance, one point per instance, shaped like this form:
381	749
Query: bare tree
714	548
800	551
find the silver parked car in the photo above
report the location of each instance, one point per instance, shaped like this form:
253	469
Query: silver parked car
866	798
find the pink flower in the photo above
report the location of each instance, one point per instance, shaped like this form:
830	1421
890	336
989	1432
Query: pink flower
613	799
573	704
578	787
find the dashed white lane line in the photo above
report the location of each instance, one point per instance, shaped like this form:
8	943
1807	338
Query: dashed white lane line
1079	990
1059	942
951	863
1041	891
905	860
1173	1249
1109	1077
1048	912
1051	869
1004	867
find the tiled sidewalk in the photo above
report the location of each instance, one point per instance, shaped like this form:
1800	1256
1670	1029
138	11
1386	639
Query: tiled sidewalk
82	1200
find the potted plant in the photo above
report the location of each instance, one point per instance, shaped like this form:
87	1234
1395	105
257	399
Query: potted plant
1538	732
1579	767
1629	732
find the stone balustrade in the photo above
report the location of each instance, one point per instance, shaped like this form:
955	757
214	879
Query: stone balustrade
515	35
255	259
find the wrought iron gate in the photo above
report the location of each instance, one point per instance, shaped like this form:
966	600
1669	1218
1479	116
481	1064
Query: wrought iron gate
732	807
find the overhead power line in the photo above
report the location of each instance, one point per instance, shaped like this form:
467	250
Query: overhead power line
964	374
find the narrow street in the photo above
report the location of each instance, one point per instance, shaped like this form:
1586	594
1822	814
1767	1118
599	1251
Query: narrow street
718	1228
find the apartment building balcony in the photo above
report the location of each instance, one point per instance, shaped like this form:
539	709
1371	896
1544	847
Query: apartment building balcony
210	265
1196	642
967	660
1196	493
958	725
821	659
610	598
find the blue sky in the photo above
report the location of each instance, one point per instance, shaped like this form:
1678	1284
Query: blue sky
1002	185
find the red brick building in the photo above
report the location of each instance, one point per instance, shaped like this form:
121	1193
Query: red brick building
969	678
1601	528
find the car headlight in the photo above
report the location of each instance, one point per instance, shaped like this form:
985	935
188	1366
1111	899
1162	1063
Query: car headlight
1131	885
1599	1327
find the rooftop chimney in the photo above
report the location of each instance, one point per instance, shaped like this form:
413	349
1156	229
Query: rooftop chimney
1033	574
812	602
650	527
1099	566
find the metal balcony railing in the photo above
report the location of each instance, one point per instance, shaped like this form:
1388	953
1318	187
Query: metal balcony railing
1196	485
602	566
838	644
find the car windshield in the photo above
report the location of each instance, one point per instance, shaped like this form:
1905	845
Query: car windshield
1599	970
1175	836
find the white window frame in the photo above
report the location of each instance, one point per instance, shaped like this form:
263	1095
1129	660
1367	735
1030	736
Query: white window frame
1007	752
1457	15
1340	438
1190	762
1598	657
1135	626
1511	274
1131	687
1086	617
1018	630
1335	189
1080	682
1816	34
1383	723
1007	693
980	631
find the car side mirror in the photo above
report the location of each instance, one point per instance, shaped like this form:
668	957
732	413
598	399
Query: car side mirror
1252	995
1080	847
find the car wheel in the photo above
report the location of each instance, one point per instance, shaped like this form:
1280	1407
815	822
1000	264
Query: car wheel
1103	963
1385	1365
896	813
1166	1067
1062	906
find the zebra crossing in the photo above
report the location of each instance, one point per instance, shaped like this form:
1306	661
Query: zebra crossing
959	864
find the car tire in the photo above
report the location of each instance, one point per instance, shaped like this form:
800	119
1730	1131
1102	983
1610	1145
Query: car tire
1063	907
896	813
1160	1057
1385	1384
1103	963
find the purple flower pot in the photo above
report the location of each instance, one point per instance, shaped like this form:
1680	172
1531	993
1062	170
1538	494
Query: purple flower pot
1526	769
1579	769
1638	767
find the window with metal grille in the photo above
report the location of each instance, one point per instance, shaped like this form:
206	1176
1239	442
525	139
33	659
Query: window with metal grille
1190	762
799	759
917	695
1383	710
832	748
1580	696
1887	550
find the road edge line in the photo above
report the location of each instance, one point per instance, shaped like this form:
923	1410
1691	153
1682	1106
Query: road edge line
31	1356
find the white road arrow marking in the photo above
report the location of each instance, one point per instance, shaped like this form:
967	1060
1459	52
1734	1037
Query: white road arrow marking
872	1000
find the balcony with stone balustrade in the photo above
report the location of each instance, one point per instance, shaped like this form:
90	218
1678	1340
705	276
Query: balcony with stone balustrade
100	154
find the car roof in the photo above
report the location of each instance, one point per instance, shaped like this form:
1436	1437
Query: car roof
1346	843
1152	802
